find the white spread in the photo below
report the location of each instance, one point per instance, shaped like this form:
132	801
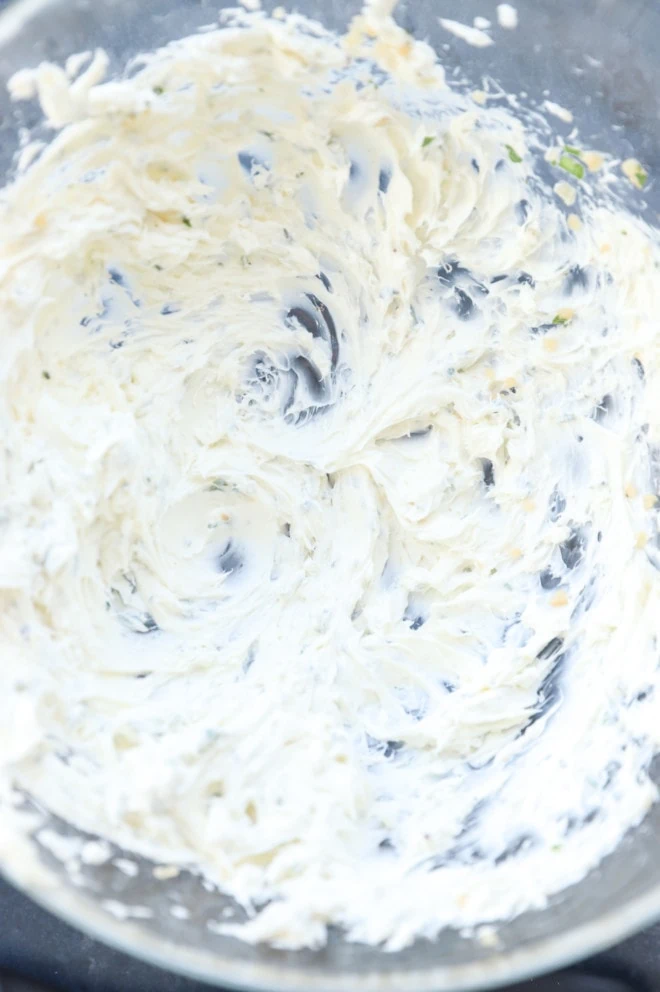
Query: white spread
507	16
471	35
558	111
328	486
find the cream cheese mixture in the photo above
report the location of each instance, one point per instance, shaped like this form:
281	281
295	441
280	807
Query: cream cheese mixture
328	485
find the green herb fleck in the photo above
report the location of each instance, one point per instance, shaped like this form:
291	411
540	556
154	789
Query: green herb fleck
513	154
158	90
572	150
556	847
428	140
560	318
641	177
186	221
45	374
571	165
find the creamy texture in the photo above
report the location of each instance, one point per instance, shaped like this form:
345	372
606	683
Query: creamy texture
472	35
329	486
507	16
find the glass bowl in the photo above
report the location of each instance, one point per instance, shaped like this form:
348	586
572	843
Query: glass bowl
601	58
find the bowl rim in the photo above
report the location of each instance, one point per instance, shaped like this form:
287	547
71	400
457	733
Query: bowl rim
533	959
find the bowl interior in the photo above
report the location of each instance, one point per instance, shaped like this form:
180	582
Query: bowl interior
601	58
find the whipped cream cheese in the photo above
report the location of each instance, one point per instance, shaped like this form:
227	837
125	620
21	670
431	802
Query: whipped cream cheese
328	484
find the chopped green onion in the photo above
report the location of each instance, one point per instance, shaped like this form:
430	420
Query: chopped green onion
158	90
572	150
560	319
513	154
641	177
427	141
571	165
45	374
186	221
